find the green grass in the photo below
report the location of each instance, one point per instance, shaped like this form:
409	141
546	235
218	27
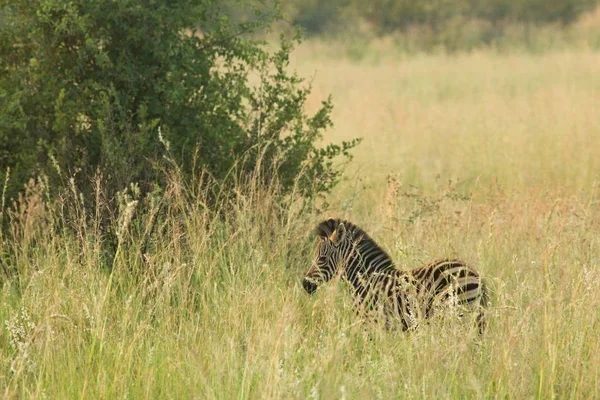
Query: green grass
490	157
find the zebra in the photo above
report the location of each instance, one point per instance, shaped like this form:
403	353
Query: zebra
380	289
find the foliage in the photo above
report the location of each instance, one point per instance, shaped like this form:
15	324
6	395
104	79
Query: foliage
85	84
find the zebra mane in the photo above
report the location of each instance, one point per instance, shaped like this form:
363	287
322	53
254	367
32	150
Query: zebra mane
326	228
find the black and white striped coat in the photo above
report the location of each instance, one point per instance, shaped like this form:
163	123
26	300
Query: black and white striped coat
380	289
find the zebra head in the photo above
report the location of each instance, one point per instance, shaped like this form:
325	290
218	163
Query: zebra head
330	252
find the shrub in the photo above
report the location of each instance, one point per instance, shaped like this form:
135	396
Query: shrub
85	84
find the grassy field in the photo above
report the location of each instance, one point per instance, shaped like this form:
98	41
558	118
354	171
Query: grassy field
493	158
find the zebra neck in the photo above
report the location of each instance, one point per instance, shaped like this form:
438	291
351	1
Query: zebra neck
368	260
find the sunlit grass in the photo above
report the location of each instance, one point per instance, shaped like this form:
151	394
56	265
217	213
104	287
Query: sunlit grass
521	119
493	158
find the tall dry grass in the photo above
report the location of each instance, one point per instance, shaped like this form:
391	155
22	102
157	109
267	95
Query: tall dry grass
492	158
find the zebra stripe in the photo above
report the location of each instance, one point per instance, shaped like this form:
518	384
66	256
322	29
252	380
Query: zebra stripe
379	288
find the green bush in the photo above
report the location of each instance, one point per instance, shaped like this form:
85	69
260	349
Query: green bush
85	85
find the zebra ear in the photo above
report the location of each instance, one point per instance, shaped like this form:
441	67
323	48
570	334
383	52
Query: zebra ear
338	235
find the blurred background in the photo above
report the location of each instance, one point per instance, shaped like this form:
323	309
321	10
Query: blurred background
498	92
451	25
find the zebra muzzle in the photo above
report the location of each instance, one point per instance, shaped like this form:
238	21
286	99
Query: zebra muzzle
309	286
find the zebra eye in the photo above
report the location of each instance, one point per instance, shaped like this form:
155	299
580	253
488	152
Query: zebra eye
322	259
